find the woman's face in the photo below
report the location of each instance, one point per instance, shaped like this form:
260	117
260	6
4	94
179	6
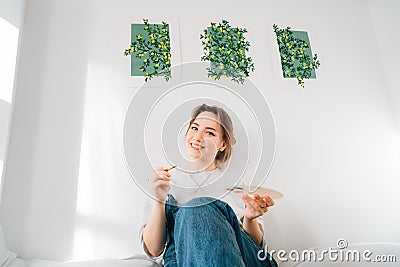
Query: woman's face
204	138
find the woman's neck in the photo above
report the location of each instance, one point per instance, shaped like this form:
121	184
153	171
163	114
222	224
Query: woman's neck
211	167
198	167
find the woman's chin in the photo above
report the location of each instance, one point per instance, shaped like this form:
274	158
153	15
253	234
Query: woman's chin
196	165
193	156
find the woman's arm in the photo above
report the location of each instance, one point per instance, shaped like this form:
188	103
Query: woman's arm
155	233
252	228
255	206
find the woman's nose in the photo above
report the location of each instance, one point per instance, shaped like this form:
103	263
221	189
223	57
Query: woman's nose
198	136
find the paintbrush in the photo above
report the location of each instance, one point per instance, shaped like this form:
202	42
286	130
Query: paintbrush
170	168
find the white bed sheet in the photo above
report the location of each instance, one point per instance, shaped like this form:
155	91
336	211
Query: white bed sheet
33	263
137	261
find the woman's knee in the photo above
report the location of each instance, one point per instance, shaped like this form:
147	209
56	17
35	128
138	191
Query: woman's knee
201	206
200	201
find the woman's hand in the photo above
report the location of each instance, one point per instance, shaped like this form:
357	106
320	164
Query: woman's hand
256	206
160	183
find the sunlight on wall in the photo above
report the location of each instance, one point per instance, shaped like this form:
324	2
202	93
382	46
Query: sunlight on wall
8	53
105	222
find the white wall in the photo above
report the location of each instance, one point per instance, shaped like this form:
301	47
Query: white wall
46	132
384	20
11	11
4	115
67	193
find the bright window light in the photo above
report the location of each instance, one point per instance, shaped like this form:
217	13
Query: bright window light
8	53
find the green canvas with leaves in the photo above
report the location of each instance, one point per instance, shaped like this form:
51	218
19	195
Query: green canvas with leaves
297	59
300	35
150	50
225	48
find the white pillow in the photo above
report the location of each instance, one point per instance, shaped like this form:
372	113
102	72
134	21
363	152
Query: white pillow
6	256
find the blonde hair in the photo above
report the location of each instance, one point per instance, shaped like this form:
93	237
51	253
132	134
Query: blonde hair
227	130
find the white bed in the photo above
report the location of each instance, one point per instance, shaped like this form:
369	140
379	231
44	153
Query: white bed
137	261
34	263
9	259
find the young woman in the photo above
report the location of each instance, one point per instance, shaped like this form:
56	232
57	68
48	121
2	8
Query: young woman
186	230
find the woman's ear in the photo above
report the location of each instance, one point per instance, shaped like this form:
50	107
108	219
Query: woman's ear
222	148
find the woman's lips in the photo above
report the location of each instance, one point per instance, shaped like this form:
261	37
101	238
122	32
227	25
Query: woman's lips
196	146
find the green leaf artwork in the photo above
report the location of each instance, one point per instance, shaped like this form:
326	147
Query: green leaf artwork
225	47
296	56
150	50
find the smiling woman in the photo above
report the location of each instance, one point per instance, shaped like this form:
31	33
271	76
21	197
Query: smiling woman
210	137
179	226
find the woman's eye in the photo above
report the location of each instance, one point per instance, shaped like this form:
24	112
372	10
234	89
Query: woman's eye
211	133
194	128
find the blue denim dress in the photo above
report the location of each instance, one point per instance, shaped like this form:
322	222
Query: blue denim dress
206	232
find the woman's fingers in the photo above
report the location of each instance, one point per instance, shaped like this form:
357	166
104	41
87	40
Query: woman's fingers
253	204
260	201
161	177
256	206
247	200
268	199
264	201
161	173
160	183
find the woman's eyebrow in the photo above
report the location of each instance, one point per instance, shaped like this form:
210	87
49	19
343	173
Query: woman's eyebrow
210	128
